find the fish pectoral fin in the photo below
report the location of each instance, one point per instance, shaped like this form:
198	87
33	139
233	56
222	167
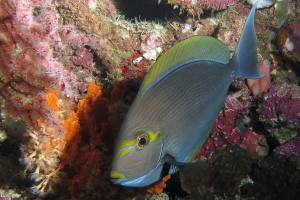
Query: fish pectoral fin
171	160
175	165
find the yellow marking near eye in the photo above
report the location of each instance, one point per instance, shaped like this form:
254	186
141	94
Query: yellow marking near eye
153	136
114	174
128	145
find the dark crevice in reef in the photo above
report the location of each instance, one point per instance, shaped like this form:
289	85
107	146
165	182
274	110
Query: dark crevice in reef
146	10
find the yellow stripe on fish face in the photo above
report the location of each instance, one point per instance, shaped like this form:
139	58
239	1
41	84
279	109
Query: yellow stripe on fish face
125	148
143	138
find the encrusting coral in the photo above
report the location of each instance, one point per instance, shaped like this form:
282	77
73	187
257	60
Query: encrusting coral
232	128
279	111
195	7
85	158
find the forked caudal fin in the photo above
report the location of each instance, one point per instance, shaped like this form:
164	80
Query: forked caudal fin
244	60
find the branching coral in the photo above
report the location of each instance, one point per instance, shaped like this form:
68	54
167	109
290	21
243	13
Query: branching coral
42	153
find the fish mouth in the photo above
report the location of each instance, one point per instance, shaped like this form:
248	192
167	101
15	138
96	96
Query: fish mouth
129	183
117	178
120	179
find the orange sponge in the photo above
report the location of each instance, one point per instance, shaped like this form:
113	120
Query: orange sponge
157	188
52	100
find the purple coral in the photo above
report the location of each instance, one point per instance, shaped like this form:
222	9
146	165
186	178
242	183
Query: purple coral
281	101
279	111
229	129
289	147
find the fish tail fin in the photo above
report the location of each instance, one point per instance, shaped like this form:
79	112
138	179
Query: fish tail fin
244	60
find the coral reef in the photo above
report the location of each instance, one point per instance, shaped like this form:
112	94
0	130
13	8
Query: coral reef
262	3
87	155
134	69
288	41
89	150
279	110
11	137
276	177
157	188
196	7
222	174
290	147
37	88
232	127
236	173
54	55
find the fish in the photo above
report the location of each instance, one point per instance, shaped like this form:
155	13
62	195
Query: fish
177	105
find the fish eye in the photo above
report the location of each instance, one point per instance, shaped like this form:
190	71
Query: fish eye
142	140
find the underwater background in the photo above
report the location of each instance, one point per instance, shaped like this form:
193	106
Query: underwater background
69	71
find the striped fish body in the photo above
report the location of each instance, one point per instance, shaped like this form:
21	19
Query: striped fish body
184	106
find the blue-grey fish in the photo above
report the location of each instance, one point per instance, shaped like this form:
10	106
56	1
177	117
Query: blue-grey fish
178	103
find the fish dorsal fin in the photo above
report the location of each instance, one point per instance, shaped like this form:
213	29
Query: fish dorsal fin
195	48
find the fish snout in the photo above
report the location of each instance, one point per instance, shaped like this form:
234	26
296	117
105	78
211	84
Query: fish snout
117	177
120	179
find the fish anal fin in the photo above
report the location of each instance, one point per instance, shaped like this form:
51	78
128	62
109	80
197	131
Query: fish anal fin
191	175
